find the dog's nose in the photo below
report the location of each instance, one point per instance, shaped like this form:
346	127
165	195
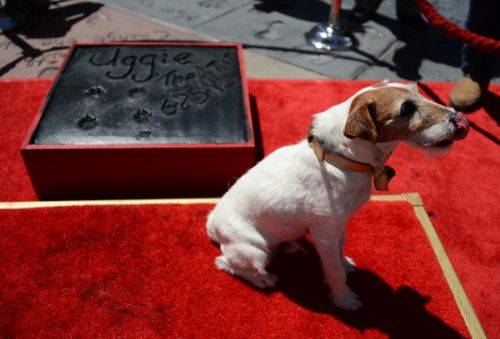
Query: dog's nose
453	117
461	123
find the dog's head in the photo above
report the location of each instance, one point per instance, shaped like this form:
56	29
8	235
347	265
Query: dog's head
398	112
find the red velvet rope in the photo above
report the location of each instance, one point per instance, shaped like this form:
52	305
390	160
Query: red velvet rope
474	40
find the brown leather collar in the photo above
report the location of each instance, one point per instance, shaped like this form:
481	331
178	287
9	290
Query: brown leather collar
381	175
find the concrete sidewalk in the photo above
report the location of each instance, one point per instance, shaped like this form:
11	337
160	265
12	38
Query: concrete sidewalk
272	32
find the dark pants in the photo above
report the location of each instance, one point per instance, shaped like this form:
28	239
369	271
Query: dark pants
483	19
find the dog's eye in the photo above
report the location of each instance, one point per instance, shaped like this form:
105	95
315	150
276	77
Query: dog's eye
408	108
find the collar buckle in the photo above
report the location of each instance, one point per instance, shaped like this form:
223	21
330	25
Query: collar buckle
381	175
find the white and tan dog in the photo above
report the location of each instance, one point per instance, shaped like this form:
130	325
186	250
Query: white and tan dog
314	187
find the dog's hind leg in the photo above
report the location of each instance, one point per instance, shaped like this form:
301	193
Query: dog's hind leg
212	231
248	262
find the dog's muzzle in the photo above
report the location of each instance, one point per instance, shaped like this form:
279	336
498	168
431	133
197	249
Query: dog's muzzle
461	125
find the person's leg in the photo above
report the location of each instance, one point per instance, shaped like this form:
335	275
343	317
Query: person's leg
409	14
25	5
478	67
9	18
483	19
363	10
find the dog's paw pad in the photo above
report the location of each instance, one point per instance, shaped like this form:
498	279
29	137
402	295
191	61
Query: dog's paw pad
349	265
348	301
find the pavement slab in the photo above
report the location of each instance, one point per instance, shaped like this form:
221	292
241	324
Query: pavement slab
272	32
37	48
276	28
280	34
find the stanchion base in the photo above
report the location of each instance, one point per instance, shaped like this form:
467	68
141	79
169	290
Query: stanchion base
329	37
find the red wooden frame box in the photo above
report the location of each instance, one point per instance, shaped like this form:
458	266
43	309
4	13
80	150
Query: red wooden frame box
97	171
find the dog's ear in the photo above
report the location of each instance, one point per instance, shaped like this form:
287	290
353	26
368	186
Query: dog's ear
361	121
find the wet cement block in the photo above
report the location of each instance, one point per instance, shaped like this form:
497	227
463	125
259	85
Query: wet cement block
146	94
143	120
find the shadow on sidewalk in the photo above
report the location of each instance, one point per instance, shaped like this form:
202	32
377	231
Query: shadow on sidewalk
54	23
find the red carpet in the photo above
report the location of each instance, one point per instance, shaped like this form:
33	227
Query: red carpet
147	271
460	190
19	102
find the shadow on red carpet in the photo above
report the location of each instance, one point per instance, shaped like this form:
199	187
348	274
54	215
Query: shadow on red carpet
397	312
491	104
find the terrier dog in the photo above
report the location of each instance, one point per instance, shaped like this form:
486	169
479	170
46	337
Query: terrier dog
316	185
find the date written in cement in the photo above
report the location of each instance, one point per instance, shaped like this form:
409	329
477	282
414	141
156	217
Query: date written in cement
191	82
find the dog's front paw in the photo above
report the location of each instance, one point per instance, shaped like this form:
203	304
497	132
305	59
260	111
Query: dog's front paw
348	301
349	265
